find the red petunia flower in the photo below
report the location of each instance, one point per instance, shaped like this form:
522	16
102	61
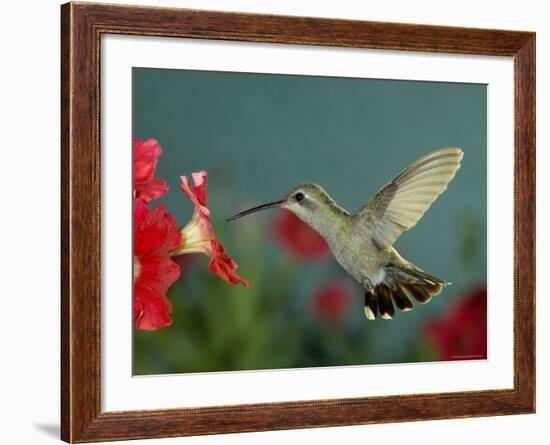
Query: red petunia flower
155	235
462	332
333	301
198	235
146	155
301	240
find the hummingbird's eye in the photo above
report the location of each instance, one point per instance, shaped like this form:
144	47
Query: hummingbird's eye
299	196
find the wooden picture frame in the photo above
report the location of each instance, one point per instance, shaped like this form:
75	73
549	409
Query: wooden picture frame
82	26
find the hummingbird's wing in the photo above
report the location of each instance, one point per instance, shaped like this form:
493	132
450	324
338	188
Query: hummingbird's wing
399	205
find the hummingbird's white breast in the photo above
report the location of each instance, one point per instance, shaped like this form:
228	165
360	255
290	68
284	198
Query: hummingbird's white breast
359	256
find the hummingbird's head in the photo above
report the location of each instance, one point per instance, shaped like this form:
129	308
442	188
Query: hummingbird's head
305	200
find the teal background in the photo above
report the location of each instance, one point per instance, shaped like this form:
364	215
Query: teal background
258	135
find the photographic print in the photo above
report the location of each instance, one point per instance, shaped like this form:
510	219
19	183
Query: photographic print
289	221
261	214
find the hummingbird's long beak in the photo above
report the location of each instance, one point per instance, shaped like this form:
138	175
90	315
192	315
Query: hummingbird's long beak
256	209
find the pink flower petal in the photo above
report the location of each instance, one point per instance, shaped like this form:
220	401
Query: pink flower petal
198	235
224	266
155	236
146	156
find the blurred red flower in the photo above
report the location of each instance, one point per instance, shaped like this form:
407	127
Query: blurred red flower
333	301
301	240
155	235
198	235
146	155
462	332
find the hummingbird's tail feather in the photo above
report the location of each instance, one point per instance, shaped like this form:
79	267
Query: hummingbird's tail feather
401	286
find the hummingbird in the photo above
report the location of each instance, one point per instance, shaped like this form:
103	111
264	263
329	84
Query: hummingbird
362	243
